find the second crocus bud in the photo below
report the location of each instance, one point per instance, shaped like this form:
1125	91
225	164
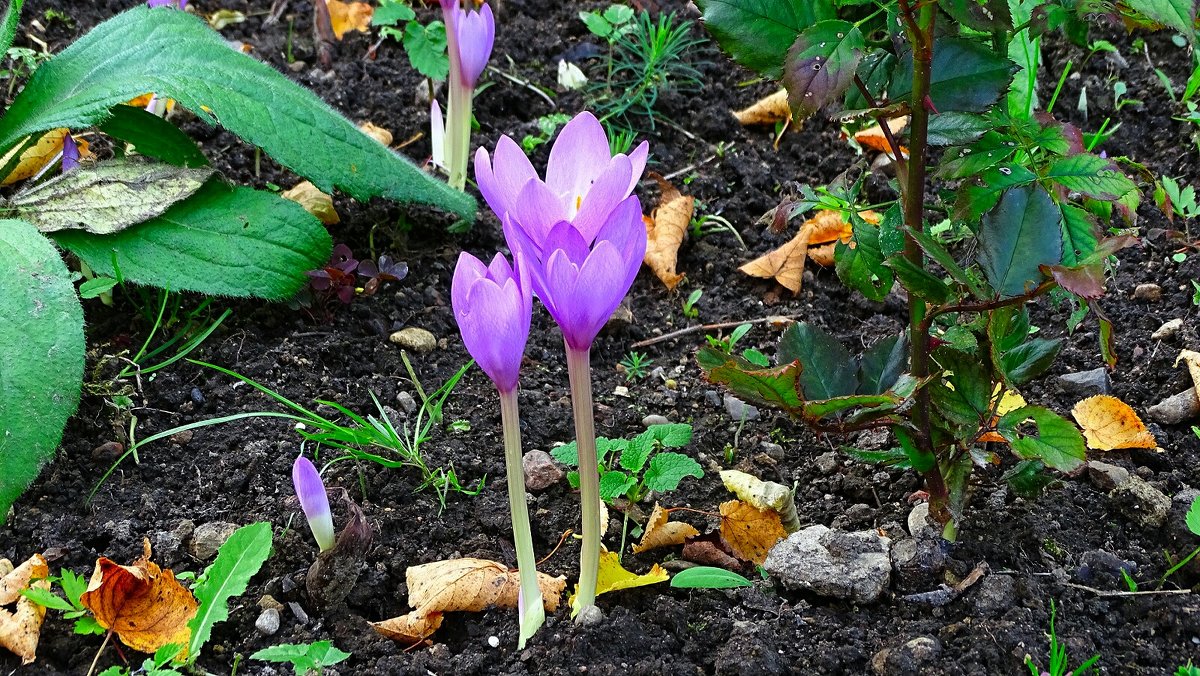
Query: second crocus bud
492	305
314	501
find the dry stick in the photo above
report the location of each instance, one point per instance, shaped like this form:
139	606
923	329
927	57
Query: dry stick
323	33
524	83
1114	594
96	659
707	327
695	165
566	534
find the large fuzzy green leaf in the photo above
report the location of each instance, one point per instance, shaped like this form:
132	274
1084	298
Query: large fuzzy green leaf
758	33
41	355
176	55
221	241
967	76
152	136
1022	233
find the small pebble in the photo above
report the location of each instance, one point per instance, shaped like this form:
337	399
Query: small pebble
1150	293
407	402
198	396
1168	330
416	339
301	616
494	641
268	621
590	616
621	391
655	420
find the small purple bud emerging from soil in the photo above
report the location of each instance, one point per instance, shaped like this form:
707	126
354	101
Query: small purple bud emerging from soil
314	501
492	305
70	154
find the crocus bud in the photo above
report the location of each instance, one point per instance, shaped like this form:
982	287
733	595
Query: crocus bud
476	35
493	305
437	135
313	501
70	154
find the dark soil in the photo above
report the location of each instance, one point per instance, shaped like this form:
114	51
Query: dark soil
240	472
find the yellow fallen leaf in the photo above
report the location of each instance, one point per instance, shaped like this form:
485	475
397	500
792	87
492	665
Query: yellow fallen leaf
349	16
411	628
750	532
20	629
143	604
764	495
376	132
663	533
613	577
314	202
1109	424
1010	401
13	580
1192	359
874	138
767	110
665	230
36	157
473	585
786	264
225	17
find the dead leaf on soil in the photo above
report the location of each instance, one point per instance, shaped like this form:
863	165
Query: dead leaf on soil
786	264
663	533
144	100
225	17
21	628
473	585
1010	401
314	202
143	604
1109	424
665	229
411	628
708	553
1192	359
13	580
764	495
347	16
874	138
376	132
47	150
749	531
769	109
613	577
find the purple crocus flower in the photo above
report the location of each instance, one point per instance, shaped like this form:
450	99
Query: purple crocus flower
492	305
177	4
314	501
70	154
584	181
474	34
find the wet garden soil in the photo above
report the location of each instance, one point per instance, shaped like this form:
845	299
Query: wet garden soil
239	472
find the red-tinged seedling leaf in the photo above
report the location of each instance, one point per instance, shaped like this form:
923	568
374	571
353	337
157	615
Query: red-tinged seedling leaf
827	370
775	387
821	64
1085	281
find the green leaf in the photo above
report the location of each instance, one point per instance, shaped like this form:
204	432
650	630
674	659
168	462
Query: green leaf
614	484
567	454
597	24
955	128
817	409
96	287
1193	514
221	241
1080	234
881	364
1027	478
1022	233
304	657
242	555
756	32
106	197
1091	175
756	357
827	371
667	469
967	76
1179	15
1030	360
861	267
821	65
918	282
41	355
987	16
672	435
707	577
8	26
1058	443
875	70
634	457
573	479
967	402
392	12
47	598
989	151
153	136
426	49
776	387
938	253
921	461
618	15
176	55
980	195
73	586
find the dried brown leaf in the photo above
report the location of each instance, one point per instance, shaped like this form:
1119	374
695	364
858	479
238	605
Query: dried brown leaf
1192	359
13	580
20	630
665	229
314	202
36	157
663	533
376	132
767	110
349	16
473	585
750	532
411	628
708	553
786	264
1109	424
875	139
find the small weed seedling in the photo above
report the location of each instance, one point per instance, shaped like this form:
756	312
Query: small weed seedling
1193	524
703	225
73	586
631	468
305	658
689	304
1177	200
158	665
1188	670
727	344
425	44
1059	666
547	125
635	364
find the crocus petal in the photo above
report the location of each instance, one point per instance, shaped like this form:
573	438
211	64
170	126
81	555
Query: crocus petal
501	178
314	501
626	231
70	154
437	135
637	161
466	272
610	187
578	156
495	330
476	35
537	209
528	253
564	237
499	271
602	275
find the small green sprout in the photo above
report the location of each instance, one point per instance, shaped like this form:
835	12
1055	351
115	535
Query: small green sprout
425	45
635	364
1058	665
73	587
611	24
623	461
547	125
305	658
726	345
689	306
1195	293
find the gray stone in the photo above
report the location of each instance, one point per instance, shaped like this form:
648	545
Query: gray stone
1098	564
712	398
166	544
268	621
774	451
1086	383
209	537
416	339
298	611
918	559
739	410
918	519
909	658
1176	409
873	439
833	563
590	616
996	594
857	514
655	420
826	463
1144	504
541	472
1105	476
406	402
1168	330
1148	293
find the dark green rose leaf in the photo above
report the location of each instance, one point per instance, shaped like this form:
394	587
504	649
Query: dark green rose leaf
967	76
821	64
756	33
881	364
777	387
1021	234
1057	442
827	370
1090	175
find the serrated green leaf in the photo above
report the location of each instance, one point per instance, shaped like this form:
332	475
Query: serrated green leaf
1027	479
891	231
107	197
967	76
707	577
1021	234
672	435
1090	175
776	387
1030	360
989	151
568	454
921	460
176	55
426	49
634	457
756	32
47	598
1193	514
861	267
827	371
821	65
875	71
817	409
980	195
668	468
238	560
1179	15
938	253
918	281
597	24
1058	443
153	136
573	479
614	484
1080	234
967	401
41	358
987	16
392	12
221	241
956	128
881	364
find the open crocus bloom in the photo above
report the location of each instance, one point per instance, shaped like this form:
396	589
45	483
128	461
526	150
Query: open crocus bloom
584	181
492	305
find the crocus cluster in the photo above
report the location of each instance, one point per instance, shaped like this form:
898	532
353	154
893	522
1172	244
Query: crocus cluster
469	39
578	241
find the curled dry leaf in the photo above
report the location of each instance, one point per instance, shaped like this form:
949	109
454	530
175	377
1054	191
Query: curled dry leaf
144	100
143	604
349	16
749	531
874	138
665	230
708	553
223	18
473	585
767	110
663	533
21	628
1192	359
764	495
314	202
613	577
786	264
47	150
1109	424
376	132
411	628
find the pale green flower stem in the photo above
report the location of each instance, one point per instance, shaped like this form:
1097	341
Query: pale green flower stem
458	117
579	371
532	612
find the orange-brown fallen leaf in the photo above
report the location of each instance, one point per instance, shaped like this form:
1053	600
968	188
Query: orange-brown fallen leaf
663	533
411	628
786	264
665	229
314	202
143	604
1192	359
769	109
612	576
376	132
750	532
349	16
144	100
874	138
21	628
1109	424
473	585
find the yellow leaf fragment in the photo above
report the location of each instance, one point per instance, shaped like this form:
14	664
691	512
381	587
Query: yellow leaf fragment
665	230
767	110
225	17
1192	359
613	577
376	132
1109	424
411	628
13	580
314	202
473	585
143	604
36	157
21	629
749	531
663	533
764	495
786	264
875	139
349	16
